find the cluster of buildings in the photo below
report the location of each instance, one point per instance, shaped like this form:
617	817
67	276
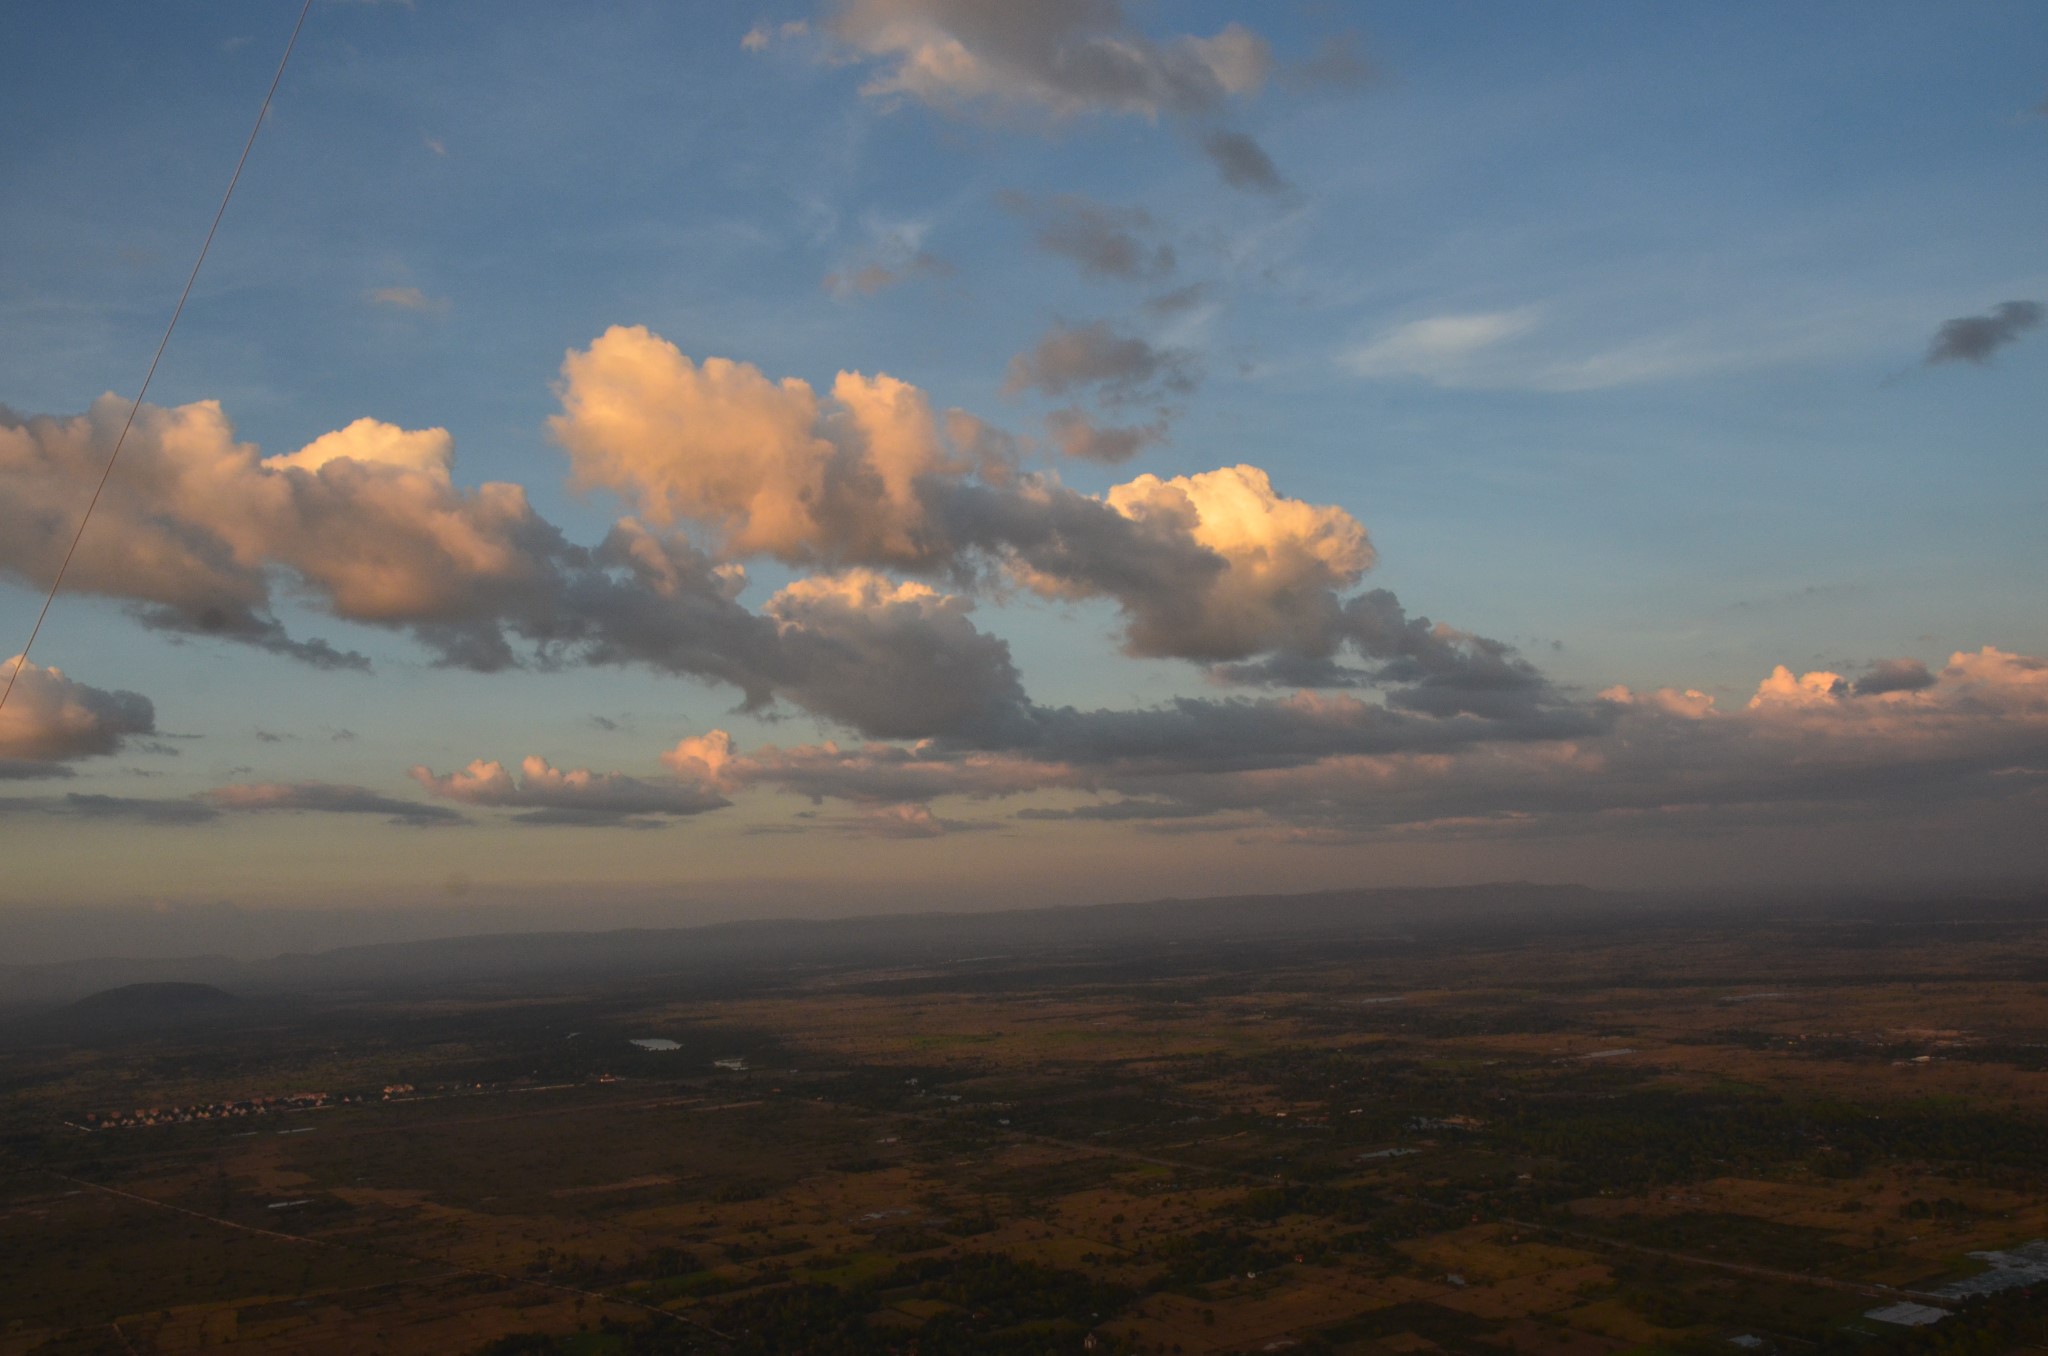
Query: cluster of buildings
263	1106
213	1111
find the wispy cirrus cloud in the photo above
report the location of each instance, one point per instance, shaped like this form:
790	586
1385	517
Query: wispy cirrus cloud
408	298
304	797
893	255
1057	58
1443	349
158	812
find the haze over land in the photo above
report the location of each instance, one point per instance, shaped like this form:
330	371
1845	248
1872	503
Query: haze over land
699	463
1476	1122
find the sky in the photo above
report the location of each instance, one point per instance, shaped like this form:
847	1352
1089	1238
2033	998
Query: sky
719	460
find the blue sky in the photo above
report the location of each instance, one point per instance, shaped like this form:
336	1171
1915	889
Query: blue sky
1607	323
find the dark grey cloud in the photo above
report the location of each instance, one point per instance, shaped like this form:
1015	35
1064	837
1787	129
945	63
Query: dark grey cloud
325	798
1242	162
205	618
180	812
887	663
1975	740
1439	669
1338	62
1894	675
582	817
1261	760
893	663
1075	545
26	770
1423	666
576	798
1118	811
867	278
1080	437
1098	356
1104	241
1191	734
1974	338
1179	300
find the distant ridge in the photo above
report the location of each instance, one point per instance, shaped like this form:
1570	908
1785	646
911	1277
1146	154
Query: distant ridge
716	953
717	957
156	999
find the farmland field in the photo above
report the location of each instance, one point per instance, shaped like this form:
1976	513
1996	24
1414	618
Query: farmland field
1687	1136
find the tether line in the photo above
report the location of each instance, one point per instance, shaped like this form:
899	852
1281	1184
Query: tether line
21	661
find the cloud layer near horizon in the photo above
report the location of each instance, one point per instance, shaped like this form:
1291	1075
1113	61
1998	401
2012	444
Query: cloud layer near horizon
1350	717
1335	769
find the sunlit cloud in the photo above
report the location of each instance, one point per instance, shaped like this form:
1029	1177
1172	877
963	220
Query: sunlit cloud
1057	58
51	719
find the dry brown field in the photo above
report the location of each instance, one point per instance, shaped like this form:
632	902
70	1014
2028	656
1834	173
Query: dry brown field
1535	1145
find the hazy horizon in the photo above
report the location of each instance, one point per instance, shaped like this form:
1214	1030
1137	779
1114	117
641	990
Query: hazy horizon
172	932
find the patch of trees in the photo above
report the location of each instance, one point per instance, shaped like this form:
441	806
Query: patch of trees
1648	1137
1194	1260
996	1305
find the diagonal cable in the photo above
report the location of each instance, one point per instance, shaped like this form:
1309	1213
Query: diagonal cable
21	660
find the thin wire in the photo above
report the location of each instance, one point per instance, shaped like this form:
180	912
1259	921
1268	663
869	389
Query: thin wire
21	661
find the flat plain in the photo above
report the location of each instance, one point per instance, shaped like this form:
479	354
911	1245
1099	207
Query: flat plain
1680	1131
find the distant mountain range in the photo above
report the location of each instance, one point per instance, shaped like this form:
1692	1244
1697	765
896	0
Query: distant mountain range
723	956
